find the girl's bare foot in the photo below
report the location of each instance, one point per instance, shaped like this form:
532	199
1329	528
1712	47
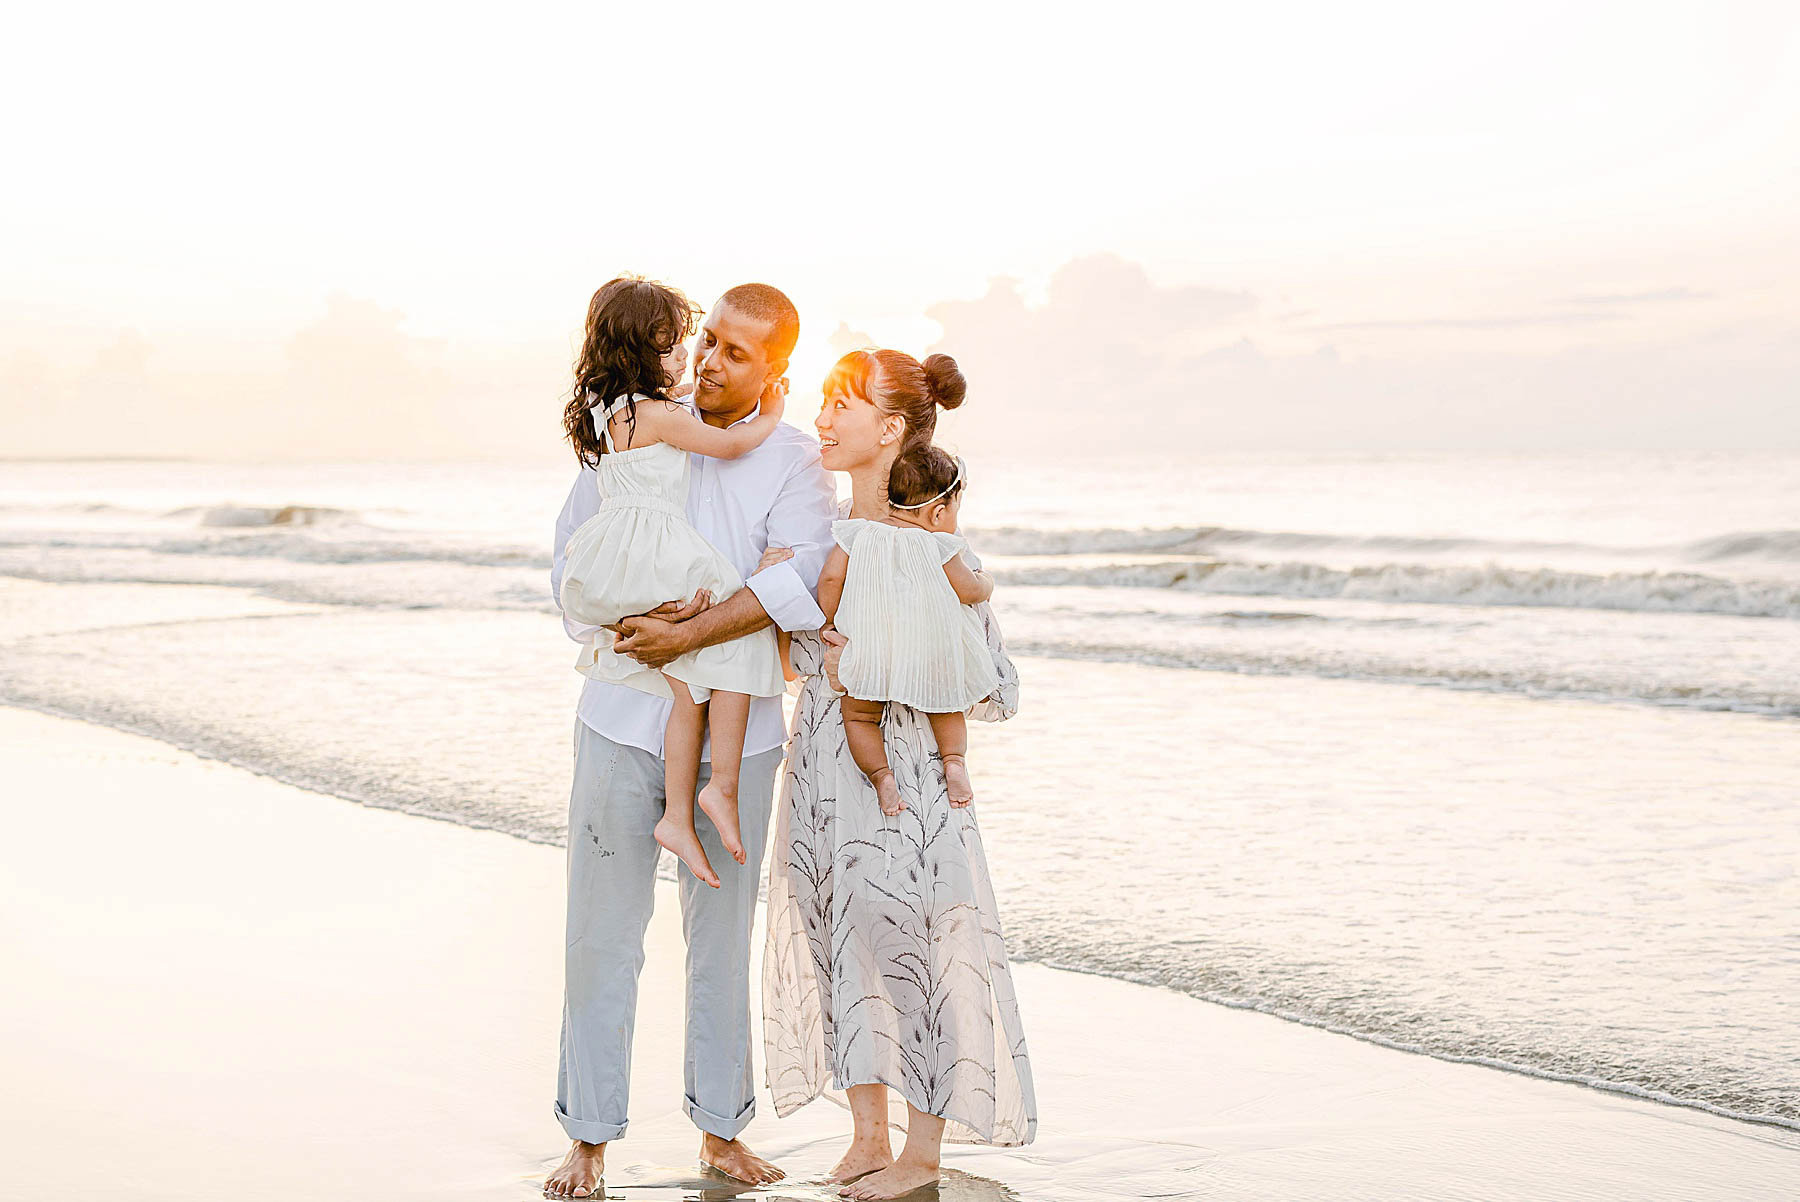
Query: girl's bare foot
956	780
861	1160
686	846
887	793
579	1173
720	804
902	1177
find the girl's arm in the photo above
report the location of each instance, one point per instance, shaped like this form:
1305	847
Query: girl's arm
681	429
971	587
831	581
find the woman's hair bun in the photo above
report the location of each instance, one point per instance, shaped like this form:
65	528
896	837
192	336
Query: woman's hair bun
945	381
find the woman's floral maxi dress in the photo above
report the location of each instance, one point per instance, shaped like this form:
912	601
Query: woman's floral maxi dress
885	962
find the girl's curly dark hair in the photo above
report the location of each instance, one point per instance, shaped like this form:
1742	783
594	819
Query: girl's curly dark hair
631	324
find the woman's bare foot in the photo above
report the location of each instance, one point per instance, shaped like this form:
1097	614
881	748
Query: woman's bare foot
861	1160
887	794
686	846
720	804
956	780
736	1161
902	1177
579	1173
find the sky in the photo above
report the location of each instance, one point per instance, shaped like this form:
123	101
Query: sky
371	230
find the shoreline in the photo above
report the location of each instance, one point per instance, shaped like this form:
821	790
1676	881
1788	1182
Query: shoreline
665	874
257	956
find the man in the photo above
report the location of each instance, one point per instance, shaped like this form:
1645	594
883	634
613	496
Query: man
776	496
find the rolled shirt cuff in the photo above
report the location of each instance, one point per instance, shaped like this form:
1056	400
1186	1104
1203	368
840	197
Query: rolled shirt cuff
785	597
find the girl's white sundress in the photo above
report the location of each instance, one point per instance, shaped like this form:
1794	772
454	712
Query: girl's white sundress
911	640
639	551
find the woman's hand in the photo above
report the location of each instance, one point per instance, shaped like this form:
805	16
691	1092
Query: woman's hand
773	556
834	651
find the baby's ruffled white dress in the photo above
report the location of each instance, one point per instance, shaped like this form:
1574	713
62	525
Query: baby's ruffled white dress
639	551
911	640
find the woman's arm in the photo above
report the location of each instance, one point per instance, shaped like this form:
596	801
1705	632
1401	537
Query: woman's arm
831	581
971	587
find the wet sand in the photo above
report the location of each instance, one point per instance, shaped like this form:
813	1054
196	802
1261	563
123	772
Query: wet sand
220	986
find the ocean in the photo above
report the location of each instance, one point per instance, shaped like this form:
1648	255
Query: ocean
1489	757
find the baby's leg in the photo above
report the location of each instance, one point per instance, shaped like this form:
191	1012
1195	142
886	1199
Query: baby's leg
862	730
952	734
681	772
727	716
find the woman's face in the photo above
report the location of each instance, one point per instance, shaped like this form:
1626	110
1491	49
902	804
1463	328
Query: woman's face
851	430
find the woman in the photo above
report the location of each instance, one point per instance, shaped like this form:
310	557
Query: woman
885	969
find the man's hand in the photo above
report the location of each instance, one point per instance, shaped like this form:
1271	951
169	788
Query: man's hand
834	651
654	639
652	642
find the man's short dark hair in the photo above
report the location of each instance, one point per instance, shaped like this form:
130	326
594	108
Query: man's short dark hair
764	303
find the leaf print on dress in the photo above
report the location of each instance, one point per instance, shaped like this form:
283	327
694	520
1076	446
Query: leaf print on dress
885	961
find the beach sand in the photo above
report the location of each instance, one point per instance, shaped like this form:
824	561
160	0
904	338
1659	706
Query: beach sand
220	986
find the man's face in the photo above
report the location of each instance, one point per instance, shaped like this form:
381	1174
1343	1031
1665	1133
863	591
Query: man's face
731	362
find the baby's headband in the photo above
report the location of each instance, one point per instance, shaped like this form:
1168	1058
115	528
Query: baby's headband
948	489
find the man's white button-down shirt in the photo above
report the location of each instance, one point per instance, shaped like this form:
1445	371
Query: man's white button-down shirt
779	495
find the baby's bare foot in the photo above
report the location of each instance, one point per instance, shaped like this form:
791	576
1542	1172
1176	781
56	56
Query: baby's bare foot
720	804
887	794
956	780
686	846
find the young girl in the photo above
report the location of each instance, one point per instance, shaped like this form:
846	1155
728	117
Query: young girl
640	550
899	592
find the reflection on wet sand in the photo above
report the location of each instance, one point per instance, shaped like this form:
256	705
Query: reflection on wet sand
651	1184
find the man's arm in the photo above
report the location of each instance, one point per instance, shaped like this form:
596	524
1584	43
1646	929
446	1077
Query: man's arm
655	642
583	503
800	520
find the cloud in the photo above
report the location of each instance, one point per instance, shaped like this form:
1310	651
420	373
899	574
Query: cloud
1108	362
1518	322
352	383
843	340
1113	364
1653	297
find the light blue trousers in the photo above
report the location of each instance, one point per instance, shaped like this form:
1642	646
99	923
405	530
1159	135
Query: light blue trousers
616	800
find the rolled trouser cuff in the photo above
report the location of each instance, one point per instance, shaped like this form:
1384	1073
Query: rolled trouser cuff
713	1124
587	1130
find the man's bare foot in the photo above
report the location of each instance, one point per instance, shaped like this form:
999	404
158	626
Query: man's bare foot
861	1160
720	804
902	1177
686	846
956	780
733	1159
579	1173
887	794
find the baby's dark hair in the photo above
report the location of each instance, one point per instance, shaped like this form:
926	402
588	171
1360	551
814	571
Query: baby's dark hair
923	473
631	324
